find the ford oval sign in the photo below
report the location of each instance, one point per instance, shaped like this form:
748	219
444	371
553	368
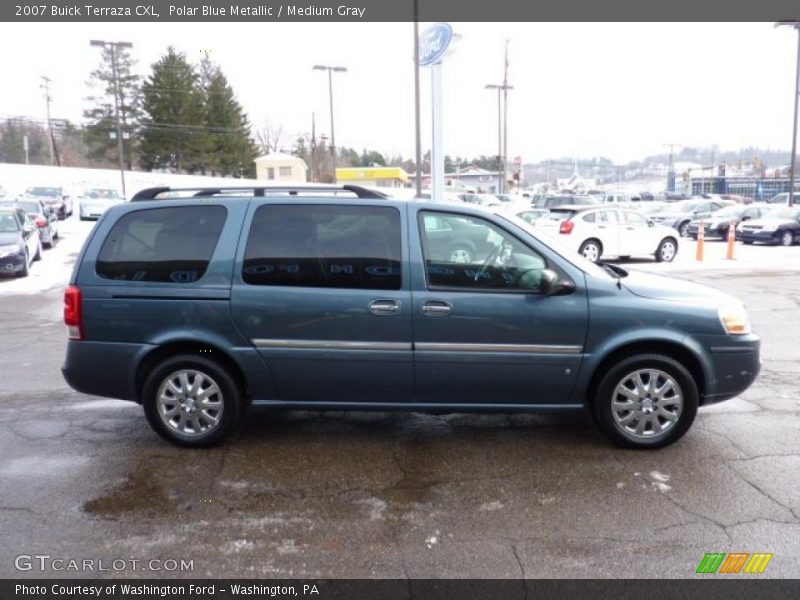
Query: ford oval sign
433	43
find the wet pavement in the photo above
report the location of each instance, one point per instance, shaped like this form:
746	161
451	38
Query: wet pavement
396	495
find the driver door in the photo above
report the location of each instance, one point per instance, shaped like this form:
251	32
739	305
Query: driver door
483	333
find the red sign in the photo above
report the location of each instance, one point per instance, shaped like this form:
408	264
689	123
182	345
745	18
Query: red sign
517	160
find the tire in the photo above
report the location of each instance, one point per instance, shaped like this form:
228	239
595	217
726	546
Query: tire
622	426
55	234
747	242
683	229
786	238
38	255
461	254
591	250
226	403
667	250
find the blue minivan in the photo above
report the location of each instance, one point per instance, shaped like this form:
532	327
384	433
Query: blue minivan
198	304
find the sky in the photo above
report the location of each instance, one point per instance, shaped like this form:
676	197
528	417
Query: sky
621	91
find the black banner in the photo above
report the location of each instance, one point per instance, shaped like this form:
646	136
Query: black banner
729	588
396	10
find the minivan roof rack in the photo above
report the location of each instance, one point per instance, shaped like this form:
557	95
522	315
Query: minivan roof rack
293	190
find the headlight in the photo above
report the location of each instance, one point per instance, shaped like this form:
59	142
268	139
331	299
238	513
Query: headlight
734	319
769	227
9	249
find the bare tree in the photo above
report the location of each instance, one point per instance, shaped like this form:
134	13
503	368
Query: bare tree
268	137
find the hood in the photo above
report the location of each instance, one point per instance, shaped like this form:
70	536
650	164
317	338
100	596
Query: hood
769	221
10	237
671	215
663	287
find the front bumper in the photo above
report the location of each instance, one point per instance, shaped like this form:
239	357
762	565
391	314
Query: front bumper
735	362
757	236
721	231
12	263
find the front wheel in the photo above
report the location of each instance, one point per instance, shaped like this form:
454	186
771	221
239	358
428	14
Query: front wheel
591	250
683	229
461	255
666	250
192	401
786	238
646	401
38	255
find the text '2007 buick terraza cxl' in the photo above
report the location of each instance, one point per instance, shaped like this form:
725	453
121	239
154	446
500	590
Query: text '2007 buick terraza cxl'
339	298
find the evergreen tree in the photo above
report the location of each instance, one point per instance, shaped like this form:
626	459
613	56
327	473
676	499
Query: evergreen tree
101	129
12	144
173	129
226	145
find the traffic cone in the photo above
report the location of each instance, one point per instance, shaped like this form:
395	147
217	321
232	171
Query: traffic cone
701	238
731	241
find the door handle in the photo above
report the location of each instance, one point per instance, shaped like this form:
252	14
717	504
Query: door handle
384	307
436	308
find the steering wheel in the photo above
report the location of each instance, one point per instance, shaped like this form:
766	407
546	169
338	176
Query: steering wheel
489	260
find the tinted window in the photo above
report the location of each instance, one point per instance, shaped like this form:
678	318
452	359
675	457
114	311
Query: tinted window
607	217
324	246
162	244
589	217
473	253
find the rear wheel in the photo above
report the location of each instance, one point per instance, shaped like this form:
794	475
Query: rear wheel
192	401
786	238
666	250
683	229
591	250
26	269
646	401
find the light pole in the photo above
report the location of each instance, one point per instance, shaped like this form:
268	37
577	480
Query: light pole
793	158
501	159
330	71
117	100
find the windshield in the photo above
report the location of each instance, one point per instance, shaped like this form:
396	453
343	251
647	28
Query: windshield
30	207
101	194
43	191
558	246
730	212
785	212
8	222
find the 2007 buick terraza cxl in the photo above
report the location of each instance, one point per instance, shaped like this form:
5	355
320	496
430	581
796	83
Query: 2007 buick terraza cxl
340	298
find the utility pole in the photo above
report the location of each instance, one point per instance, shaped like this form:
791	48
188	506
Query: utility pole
793	157
114	46
331	70
505	117
46	87
671	170
417	126
313	149
500	158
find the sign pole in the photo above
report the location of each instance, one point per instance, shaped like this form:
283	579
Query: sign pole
437	155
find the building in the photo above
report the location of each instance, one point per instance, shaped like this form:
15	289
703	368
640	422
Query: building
749	186
281	168
473	179
373	176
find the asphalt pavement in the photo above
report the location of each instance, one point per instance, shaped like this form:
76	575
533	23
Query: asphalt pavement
306	494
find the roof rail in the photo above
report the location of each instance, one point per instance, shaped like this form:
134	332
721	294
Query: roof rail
294	190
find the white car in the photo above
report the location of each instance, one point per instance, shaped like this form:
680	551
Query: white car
94	202
602	231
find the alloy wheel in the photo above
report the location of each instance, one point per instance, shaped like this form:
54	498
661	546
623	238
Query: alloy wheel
646	404
190	403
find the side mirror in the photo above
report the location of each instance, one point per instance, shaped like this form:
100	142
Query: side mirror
27	228
651	223
550	285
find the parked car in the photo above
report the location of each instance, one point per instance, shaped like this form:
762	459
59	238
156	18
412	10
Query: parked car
55	197
20	245
602	232
531	215
718	224
550	201
783	198
42	216
96	201
678	214
781	225
200	307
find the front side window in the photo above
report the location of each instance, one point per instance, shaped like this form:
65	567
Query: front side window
633	218
327	246
171	245
607	217
472	253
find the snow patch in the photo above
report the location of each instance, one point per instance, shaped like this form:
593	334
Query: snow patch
376	508
236	546
492	506
432	540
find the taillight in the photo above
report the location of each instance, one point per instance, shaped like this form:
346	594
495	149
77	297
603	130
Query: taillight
40	222
73	312
566	226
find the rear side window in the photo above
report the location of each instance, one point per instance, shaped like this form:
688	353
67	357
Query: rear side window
162	244
327	246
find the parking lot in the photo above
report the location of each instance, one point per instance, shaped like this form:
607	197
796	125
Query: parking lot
304	494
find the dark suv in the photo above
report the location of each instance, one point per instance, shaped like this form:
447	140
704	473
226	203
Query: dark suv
337	298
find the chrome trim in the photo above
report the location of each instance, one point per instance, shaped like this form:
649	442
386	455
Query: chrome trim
523	348
331	345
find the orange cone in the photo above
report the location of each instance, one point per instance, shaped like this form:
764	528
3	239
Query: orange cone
701	238
731	241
